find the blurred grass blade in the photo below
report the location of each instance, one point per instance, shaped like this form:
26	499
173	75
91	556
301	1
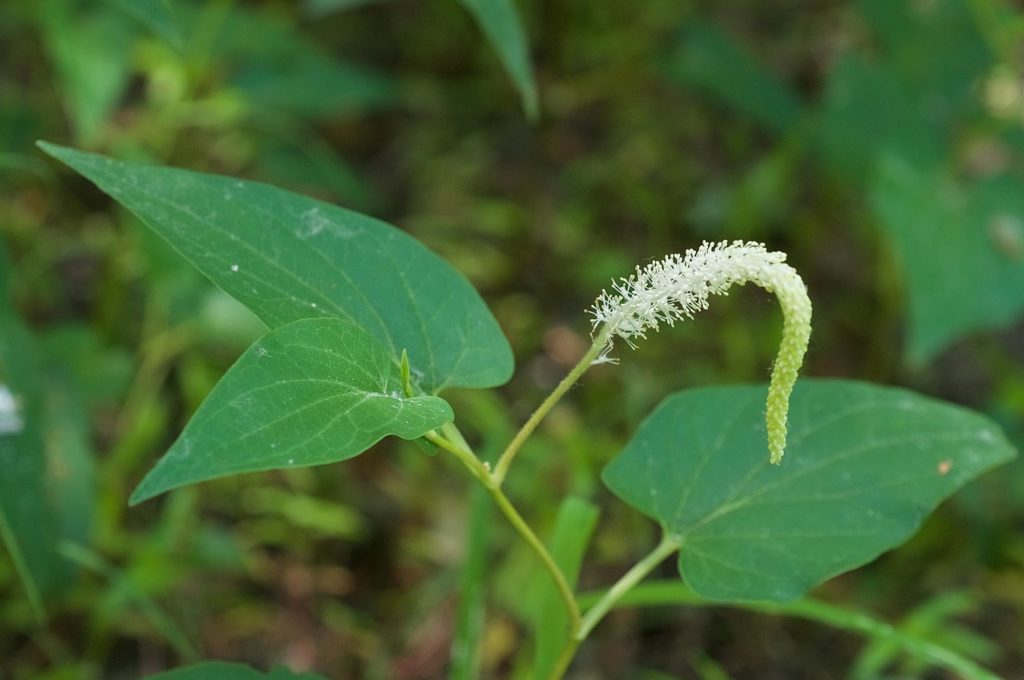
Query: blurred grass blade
120	582
87	52
574	526
933	620
28	524
675	593
500	22
470	619
309	84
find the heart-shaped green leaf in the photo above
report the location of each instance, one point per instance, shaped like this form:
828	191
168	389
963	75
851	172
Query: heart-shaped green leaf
311	392
290	257
864	465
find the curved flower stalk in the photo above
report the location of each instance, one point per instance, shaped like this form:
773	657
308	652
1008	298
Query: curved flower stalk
674	288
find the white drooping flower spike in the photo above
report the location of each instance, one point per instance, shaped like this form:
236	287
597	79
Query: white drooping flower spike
674	288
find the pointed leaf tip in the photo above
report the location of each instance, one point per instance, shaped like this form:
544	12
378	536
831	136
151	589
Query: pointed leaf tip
311	392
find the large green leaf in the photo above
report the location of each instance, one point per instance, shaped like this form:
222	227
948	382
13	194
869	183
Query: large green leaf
863	467
311	392
222	670
289	257
500	22
961	251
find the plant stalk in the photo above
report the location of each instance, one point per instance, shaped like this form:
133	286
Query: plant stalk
593	616
501	469
482	473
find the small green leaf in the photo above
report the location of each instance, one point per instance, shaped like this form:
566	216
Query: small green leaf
500	22
289	257
864	467
222	670
312	392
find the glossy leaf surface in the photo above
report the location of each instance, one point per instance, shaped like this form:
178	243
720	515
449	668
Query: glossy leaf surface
290	257
314	391
864	466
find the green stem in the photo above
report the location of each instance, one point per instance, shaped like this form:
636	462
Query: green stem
610	598
482	473
629	580
520	525
501	469
661	593
477	468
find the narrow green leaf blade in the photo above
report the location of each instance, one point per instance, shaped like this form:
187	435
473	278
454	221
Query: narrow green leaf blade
574	527
864	467
290	257
470	617
314	391
87	50
222	670
500	22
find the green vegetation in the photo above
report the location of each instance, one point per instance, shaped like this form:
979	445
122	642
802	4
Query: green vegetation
201	315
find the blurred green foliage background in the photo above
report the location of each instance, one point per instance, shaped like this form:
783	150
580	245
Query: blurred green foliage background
879	143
